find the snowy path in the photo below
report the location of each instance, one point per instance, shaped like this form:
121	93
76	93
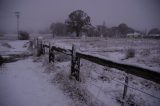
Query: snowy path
22	83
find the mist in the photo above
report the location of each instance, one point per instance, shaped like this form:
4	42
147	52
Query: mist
39	14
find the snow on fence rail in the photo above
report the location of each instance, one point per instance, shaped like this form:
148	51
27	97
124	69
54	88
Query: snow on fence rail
77	55
128	68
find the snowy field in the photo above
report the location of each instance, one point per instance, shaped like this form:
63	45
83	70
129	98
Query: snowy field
35	82
106	84
146	51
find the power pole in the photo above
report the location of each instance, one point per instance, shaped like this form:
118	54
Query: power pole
17	13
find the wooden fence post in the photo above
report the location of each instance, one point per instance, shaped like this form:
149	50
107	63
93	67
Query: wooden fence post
75	64
125	91
37	43
51	54
43	47
37	47
30	47
40	48
34	46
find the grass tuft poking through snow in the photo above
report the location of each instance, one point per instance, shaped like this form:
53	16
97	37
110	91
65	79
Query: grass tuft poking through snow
4	44
75	90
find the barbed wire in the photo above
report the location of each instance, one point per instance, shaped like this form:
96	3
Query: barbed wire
136	89
100	87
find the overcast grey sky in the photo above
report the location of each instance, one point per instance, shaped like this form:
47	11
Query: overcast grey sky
39	14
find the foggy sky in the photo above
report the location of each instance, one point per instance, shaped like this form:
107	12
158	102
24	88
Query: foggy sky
39	14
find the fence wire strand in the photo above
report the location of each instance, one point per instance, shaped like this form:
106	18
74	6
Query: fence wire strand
100	87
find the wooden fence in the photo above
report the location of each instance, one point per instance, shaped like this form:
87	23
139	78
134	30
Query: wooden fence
77	55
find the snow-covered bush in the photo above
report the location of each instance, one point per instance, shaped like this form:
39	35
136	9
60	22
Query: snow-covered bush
74	89
23	35
1	60
71	87
130	53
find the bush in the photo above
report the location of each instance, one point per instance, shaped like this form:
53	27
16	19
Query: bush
1	60
130	53
23	35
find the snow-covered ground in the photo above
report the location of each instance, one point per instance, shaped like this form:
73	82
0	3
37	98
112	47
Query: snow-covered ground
13	47
22	83
28	82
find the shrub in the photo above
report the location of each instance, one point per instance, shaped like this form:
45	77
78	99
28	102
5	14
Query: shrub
1	60
23	35
130	53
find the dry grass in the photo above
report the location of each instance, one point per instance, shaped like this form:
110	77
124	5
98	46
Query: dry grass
6	45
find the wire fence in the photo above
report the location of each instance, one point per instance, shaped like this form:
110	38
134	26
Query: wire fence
102	86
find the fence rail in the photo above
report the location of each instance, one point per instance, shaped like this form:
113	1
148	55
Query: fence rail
130	69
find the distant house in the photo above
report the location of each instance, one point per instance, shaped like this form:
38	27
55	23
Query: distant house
153	36
134	35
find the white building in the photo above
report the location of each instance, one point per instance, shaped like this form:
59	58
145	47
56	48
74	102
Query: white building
135	34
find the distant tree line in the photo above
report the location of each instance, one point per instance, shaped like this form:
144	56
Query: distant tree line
58	29
79	23
23	35
154	31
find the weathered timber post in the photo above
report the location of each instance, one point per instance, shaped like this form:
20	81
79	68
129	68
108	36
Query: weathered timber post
125	91
34	43
38	48
51	54
75	64
30	47
37	42
43	48
34	46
